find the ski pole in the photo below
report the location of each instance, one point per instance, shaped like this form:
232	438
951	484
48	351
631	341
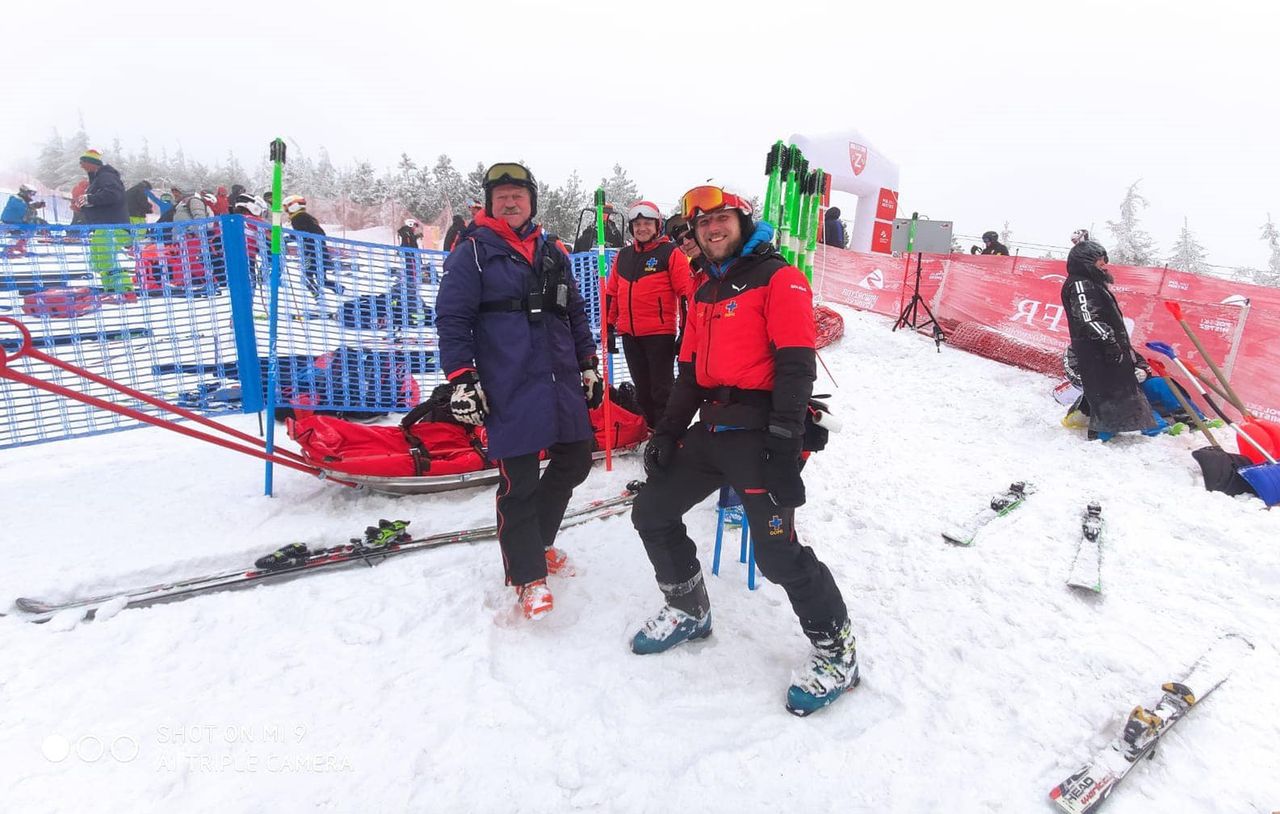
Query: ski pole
1167	350
277	152
603	272
1176	309
1164	376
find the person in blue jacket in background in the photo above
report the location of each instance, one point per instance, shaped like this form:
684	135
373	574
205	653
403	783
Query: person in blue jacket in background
21	208
517	346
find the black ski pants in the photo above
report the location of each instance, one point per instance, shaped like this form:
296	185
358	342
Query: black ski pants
652	362
703	462
530	507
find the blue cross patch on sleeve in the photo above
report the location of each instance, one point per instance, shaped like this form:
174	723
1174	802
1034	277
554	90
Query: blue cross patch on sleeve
775	525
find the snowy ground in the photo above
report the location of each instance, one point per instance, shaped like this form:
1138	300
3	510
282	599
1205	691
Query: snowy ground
409	688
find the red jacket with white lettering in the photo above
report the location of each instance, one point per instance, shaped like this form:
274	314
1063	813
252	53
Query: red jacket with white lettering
748	358
645	285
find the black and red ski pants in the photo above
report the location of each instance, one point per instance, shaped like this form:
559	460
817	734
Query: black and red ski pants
704	461
530	508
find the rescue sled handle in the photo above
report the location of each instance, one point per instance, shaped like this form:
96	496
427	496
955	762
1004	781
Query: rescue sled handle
252	446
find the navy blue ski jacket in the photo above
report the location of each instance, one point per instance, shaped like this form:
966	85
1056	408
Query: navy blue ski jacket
531	371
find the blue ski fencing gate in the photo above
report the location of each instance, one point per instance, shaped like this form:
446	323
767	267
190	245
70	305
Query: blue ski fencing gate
180	311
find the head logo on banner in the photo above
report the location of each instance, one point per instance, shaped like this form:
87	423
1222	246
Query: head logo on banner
873	280
857	157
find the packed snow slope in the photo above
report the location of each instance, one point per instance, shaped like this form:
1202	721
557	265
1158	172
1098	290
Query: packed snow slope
412	687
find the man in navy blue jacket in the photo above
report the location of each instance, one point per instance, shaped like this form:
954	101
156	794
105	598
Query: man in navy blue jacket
515	342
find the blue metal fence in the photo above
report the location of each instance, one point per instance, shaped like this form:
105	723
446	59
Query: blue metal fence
180	311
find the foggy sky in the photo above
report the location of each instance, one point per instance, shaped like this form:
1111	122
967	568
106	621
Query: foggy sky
1035	113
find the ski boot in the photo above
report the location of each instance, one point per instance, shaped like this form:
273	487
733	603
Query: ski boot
831	671
535	599
558	562
686	617
290	556
383	534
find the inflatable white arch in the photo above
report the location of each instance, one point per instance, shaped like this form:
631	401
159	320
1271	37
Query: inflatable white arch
857	167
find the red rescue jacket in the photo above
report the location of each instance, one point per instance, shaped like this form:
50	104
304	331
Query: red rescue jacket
645	285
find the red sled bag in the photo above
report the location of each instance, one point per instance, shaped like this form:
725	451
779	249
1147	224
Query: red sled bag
629	428
359	449
60	303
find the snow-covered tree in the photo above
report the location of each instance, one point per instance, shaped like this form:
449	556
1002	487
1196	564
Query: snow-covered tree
1188	254
1133	246
1006	234
560	208
475	183
414	189
620	190
49	166
1271	276
450	185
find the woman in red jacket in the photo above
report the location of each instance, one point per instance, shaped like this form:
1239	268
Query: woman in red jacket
646	281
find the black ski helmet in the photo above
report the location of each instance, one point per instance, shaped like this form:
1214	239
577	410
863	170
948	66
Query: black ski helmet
990	237
510	172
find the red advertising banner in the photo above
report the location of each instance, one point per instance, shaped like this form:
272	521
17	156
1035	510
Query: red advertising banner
873	282
881	237
1020	300
887	205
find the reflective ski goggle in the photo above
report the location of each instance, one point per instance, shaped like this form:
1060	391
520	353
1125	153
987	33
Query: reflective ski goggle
701	200
644	209
508	174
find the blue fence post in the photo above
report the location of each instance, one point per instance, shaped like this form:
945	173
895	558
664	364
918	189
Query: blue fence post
239	287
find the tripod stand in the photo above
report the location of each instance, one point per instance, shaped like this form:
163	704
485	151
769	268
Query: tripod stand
910	312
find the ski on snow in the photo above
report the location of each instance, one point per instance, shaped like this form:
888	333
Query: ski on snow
1086	569
294	560
1085	790
1000	505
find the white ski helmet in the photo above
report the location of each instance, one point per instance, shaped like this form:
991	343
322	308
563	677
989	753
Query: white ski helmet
644	209
294	204
411	223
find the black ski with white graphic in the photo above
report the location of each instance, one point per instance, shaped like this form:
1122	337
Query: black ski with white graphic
1000	505
1086	568
294	560
1084	791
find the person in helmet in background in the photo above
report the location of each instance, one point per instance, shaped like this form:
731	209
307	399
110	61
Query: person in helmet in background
196	206
1079	235
410	232
22	207
646	282
586	240
253	210
747	369
316	260
515	341
451	234
1110	372
990	245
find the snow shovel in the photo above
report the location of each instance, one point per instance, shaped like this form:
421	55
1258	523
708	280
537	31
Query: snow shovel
1270	429
1264	478
1162	373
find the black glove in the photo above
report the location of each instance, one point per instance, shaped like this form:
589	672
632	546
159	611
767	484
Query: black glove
974	250
658	455
782	471
468	403
592	384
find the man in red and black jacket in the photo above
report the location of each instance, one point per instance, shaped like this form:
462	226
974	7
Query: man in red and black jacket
747	367
647	280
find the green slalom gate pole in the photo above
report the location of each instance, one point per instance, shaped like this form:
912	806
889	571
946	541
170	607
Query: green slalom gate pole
273	331
815	218
802	233
773	191
799	168
602	268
